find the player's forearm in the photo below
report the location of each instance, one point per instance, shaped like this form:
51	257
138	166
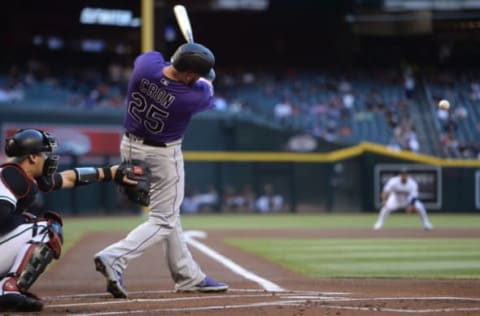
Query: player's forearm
86	175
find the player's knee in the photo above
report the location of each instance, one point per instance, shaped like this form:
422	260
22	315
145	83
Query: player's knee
55	232
419	205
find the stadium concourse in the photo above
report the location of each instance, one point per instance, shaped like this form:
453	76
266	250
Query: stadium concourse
347	108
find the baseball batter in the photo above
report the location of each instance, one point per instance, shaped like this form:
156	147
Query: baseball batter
162	97
399	192
29	243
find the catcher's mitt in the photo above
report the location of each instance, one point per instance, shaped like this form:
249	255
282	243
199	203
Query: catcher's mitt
411	209
139	171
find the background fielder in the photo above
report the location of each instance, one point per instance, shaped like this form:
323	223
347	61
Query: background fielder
399	192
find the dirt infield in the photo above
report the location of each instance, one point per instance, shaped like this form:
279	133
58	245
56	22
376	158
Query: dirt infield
72	286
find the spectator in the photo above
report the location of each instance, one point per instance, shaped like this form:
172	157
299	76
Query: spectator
195	201
236	201
207	200
348	101
269	201
443	115
283	111
409	85
189	205
220	103
460	112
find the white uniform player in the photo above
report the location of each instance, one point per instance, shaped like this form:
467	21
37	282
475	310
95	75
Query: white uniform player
401	192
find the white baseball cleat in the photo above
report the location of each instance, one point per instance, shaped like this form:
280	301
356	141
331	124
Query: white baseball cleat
377	226
428	227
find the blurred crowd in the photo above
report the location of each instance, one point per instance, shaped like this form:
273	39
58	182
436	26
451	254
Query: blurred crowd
232	199
328	105
459	126
85	87
340	106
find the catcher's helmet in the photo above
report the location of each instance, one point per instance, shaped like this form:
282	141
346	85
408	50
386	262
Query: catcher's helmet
193	57
29	141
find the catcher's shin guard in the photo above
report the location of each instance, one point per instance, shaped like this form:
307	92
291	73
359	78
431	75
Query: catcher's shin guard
36	259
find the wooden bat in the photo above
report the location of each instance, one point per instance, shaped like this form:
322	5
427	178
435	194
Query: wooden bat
183	22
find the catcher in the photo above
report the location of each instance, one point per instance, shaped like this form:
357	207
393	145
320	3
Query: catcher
29	243
399	192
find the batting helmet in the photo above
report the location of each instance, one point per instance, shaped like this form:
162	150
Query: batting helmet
29	141
193	57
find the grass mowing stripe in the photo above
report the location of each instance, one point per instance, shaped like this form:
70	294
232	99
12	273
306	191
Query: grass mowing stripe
328	221
392	256
274	221
412	258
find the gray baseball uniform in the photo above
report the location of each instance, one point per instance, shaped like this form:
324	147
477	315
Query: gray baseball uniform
157	115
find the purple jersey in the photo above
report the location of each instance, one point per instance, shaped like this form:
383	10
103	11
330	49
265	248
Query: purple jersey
158	108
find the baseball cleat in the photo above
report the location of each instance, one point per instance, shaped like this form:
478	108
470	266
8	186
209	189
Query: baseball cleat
113	277
428	227
14	300
207	285
377	226
19	302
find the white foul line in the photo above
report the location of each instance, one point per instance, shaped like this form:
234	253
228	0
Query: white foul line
266	284
155	300
108	295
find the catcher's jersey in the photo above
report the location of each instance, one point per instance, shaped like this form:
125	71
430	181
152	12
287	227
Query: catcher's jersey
158	108
403	191
17	192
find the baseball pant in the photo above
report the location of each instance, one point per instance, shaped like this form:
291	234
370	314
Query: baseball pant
163	224
14	245
393	204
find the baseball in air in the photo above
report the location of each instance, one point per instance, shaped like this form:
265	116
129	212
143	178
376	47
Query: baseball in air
444	104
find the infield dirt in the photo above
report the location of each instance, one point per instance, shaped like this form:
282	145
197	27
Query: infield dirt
72	286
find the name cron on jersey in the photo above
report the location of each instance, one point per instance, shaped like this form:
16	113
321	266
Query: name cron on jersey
158	94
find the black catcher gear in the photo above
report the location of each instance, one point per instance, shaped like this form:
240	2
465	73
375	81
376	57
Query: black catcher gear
37	259
33	141
29	141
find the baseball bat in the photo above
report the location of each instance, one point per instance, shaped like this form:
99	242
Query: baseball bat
183	22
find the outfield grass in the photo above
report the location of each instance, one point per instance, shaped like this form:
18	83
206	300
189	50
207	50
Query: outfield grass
371	257
328	221
268	221
359	257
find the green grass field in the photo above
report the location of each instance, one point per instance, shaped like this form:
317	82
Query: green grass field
368	257
344	257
